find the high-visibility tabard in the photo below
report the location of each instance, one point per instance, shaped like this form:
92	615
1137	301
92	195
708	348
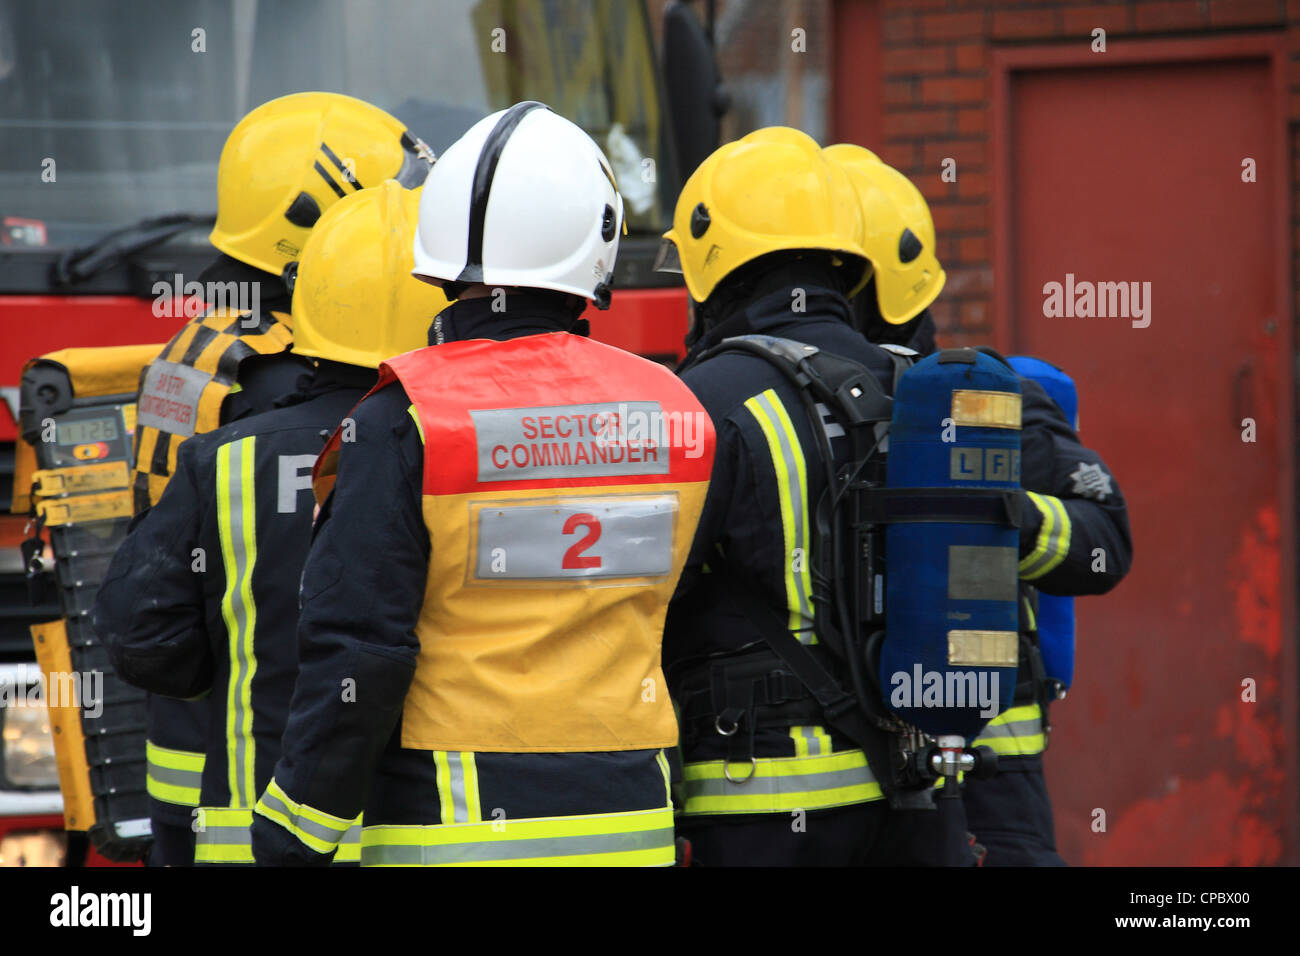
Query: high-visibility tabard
181	391
563	481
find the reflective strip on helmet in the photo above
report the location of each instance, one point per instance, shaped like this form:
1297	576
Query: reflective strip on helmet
236	526
173	776
414	171
639	838
810	741
779	784
792	493
1016	732
484	173
348	175
668	258
225	836
316	829
1053	542
458	797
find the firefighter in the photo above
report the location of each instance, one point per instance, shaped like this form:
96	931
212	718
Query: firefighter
202	596
767	234
1072	510
484	598
284	164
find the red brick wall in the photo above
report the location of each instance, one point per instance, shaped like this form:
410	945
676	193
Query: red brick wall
936	101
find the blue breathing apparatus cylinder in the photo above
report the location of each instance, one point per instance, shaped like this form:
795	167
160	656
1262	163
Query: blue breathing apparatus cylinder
950	652
1055	613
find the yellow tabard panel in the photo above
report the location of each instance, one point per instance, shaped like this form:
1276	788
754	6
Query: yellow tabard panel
542	665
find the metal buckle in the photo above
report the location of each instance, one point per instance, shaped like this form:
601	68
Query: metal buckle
753	769
717	725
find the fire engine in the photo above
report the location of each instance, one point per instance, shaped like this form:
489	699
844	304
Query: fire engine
114	127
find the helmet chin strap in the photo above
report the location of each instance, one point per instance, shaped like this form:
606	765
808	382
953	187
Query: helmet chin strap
601	296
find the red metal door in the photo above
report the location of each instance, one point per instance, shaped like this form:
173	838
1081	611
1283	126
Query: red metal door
1132	172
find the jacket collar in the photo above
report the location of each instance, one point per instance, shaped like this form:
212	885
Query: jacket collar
773	314
525	313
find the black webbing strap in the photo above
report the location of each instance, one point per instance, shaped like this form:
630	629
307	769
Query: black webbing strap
842	710
970	506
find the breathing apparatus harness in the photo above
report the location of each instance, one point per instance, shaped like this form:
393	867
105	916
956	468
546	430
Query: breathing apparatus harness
834	681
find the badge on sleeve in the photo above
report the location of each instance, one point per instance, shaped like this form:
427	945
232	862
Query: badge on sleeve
1091	481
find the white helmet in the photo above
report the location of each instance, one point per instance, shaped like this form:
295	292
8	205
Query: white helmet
524	198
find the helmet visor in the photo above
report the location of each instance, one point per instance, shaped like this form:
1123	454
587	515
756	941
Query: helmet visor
669	258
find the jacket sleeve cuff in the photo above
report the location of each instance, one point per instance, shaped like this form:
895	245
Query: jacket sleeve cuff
1044	534
306	836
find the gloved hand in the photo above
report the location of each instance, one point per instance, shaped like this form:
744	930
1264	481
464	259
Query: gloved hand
273	845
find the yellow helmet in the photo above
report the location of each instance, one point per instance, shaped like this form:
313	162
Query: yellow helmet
291	159
354	298
898	234
770	191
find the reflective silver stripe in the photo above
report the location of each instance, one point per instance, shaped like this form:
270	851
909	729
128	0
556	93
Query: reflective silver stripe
353	836
1019	728
798	504
572	441
814	742
178	778
311	827
473	852
225	834
614	537
456	783
1053	537
789	783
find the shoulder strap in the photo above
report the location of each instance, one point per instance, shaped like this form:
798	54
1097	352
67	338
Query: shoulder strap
843	710
846	386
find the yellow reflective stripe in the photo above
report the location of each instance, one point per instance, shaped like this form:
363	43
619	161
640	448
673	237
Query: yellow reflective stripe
1017	731
170	792
638	838
1031	618
456	774
415	417
792	495
469	769
822	739
349	850
442	774
173	759
800	742
236	526
1014	715
225	836
316	829
173	776
1053	542
780	784
662	759
810	741
1015	746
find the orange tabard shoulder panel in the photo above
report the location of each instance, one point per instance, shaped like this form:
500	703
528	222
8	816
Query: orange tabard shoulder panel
563	481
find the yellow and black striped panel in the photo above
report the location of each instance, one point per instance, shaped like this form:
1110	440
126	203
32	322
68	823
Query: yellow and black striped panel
215	344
